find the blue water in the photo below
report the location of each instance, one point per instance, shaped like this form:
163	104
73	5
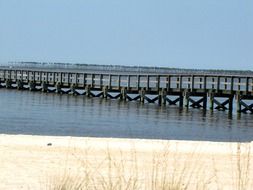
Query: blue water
36	113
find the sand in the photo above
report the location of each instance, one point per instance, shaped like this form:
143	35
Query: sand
42	162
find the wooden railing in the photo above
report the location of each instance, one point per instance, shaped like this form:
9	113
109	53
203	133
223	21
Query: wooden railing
149	82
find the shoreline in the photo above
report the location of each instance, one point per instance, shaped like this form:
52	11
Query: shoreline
73	140
26	160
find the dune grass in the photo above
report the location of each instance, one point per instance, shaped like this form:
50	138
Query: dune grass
242	173
165	170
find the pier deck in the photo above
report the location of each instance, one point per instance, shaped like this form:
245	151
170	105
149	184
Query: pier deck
184	90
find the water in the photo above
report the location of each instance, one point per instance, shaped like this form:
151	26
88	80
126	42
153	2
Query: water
35	113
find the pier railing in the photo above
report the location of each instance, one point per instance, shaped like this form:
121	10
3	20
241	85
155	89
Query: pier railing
150	88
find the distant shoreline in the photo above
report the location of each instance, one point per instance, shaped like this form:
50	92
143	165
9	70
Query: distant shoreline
121	68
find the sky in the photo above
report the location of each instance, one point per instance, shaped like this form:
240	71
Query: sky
201	34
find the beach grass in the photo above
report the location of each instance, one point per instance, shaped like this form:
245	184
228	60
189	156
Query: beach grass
123	164
166	170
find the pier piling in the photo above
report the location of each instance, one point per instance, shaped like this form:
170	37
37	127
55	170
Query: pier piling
88	90
32	86
238	103
105	92
8	83
186	95
142	95
123	94
211	96
58	88
20	85
44	87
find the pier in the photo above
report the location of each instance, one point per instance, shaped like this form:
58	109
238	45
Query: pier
205	91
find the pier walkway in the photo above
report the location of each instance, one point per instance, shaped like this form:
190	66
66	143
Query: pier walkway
185	90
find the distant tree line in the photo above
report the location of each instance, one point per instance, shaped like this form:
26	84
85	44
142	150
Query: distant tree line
128	69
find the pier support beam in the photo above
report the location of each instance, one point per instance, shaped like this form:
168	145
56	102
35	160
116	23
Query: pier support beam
8	83
199	102
20	85
242	105
224	105
32	86
44	87
123	94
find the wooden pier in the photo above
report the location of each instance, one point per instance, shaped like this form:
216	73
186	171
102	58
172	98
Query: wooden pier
183	90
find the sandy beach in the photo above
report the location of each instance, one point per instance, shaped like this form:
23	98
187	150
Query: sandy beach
44	162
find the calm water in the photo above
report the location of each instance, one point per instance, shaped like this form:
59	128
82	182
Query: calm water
24	112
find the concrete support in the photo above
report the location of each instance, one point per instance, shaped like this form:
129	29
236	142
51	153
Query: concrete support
20	85
123	94
162	97
105	92
44	87
8	83
88	91
142	95
58	88
32	86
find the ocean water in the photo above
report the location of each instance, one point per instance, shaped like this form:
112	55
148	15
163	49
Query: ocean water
36	113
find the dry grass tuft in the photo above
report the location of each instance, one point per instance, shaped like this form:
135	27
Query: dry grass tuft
243	164
165	170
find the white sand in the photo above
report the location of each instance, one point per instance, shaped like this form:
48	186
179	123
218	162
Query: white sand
28	163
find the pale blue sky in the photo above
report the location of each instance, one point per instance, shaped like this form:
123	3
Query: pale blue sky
215	34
